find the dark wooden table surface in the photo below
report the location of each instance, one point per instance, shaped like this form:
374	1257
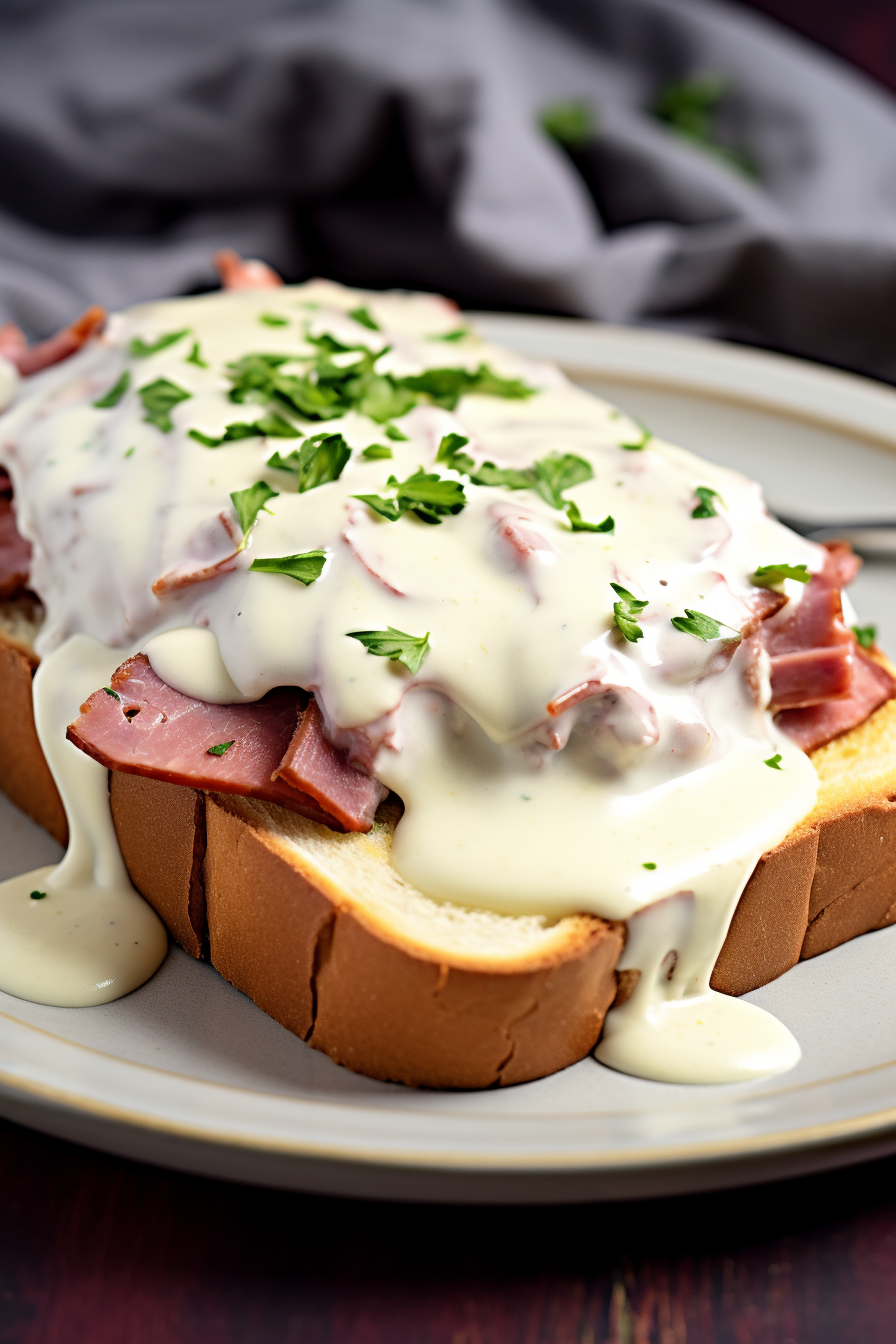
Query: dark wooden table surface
97	1250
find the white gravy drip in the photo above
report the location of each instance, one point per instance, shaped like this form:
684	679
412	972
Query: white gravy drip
90	938
654	785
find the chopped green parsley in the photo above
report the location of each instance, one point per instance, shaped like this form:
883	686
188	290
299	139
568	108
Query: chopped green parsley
625	612
250	502
767	576
305	567
705	507
115	394
703	627
142	349
159	398
409	650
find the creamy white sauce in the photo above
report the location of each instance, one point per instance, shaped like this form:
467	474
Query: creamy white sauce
90	937
656	787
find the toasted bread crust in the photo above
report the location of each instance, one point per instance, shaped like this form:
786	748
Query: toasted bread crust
340	977
24	774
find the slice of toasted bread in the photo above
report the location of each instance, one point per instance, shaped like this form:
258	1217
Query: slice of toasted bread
319	929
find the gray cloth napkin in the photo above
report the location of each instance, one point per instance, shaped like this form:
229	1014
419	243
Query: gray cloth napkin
398	142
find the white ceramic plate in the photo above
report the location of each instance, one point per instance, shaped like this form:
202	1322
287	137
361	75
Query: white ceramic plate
187	1072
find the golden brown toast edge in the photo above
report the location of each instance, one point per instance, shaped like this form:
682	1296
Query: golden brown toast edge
382	1008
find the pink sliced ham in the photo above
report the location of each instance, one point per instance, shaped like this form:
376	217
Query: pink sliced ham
822	683
237	273
315	766
31	359
811	677
15	551
871	687
147	728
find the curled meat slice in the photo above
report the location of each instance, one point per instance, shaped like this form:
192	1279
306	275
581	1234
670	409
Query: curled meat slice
142	726
239	273
311	763
31	359
15	551
515	531
216	552
810	677
622	710
812	727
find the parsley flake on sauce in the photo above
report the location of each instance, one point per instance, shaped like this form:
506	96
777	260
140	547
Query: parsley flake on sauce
426	494
578	524
305	567
409	650
766	576
458	334
445	387
865	635
271	426
376	450
142	349
249	504
273	320
705	507
558	472
395	434
159	398
38	895
703	627
625	612
365	318
115	394
774	761
320	459
651	866
195	357
220	749
638	444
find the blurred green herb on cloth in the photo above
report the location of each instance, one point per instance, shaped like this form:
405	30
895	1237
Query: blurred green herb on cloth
689	107
569	123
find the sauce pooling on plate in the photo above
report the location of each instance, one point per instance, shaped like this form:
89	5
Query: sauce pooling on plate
514	606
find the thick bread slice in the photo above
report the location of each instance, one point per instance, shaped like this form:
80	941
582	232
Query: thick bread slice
323	934
24	774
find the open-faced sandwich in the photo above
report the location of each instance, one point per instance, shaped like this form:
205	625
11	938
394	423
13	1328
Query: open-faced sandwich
462	723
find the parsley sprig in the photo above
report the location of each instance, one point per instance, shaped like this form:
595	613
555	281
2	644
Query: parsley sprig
704	627
270	426
549	477
249	504
579	524
625	612
705	507
425	493
398	647
767	576
142	349
365	318
305	567
321	458
327	389
115	394
159	399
